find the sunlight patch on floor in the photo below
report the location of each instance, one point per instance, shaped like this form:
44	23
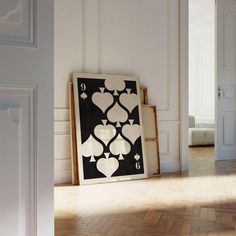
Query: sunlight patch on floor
129	196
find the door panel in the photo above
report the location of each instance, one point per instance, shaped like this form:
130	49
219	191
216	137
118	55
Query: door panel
9	155
229	119
18	161
17	22
229	20
226	79
26	117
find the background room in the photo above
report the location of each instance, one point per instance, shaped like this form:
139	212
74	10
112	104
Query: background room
202	81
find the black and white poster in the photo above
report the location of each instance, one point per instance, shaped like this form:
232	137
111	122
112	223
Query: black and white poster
109	128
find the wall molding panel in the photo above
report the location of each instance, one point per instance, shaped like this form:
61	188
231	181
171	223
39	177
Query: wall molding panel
164	138
61	114
68	44
169	145
18	128
18	23
104	48
62	153
61	127
128	37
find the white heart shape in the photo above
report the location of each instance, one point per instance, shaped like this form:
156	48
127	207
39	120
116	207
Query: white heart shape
105	132
132	132
102	100
117	114
107	166
130	101
120	146
115	84
91	147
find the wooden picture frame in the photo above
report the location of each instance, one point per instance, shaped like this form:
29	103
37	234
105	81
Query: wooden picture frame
144	95
91	86
74	160
153	159
149	113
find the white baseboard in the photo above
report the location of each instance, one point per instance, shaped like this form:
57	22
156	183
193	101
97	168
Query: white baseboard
170	167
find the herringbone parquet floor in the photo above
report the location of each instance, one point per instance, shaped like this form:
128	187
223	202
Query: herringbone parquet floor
202	203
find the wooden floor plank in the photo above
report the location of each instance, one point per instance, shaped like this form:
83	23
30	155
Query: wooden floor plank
200	203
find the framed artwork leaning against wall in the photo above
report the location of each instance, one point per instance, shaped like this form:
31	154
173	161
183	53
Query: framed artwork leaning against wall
109	128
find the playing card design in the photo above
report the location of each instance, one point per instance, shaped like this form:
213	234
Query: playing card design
107	166
120	147
117	115
131	131
91	148
105	132
110	140
83	95
137	157
128	100
115	85
102	100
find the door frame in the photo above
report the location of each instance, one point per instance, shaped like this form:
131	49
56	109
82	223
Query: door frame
183	75
184	82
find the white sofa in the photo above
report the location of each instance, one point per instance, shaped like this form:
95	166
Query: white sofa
200	136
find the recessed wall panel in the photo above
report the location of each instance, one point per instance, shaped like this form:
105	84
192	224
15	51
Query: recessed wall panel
136	37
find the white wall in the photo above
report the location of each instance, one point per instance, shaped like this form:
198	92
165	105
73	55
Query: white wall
132	37
202	60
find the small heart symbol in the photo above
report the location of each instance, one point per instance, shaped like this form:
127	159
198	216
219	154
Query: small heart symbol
137	157
107	166
83	96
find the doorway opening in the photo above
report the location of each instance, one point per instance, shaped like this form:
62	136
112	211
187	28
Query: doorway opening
201	86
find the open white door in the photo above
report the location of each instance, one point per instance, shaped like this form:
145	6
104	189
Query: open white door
226	79
26	117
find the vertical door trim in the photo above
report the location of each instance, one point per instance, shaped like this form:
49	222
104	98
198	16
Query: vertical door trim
183	68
